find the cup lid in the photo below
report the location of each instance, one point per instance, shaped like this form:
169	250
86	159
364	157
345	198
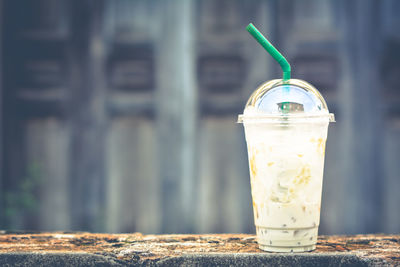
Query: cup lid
285	99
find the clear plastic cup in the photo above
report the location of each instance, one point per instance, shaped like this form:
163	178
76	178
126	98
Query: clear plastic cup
286	125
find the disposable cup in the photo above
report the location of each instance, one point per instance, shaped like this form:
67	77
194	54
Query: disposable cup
286	152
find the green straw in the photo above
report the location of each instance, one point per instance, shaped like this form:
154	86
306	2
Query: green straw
271	50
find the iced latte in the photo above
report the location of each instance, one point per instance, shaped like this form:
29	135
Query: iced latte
286	148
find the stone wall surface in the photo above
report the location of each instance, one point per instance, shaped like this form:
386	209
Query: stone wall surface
88	249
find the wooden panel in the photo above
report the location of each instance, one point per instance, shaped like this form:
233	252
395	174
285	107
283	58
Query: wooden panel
130	28
364	151
47	151
42	19
133	187
131	67
87	116
221	73
224	197
312	15
36	37
334	207
176	113
221	63
319	70
219	21
42	64
391	170
131	21
35	67
391	72
390	20
224	200
75	70
310	43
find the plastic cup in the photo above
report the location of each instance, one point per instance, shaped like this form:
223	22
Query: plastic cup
286	126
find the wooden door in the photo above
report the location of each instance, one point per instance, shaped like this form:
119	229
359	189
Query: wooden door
120	116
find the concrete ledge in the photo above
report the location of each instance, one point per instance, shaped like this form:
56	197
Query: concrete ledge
86	249
56	259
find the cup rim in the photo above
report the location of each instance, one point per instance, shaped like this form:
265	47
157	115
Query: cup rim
284	118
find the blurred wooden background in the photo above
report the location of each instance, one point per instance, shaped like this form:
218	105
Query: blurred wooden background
119	116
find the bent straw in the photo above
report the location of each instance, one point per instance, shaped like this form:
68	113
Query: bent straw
271	50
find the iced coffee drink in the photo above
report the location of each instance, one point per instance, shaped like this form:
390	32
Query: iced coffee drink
286	127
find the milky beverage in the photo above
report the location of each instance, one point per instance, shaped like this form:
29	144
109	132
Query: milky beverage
286	169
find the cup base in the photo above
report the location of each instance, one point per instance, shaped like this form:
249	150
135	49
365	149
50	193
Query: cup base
287	240
286	249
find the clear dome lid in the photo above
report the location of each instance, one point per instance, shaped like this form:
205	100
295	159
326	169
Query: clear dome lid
283	100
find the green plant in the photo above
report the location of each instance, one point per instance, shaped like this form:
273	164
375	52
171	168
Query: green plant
23	198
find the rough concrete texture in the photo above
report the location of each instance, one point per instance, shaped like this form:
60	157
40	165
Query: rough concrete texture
86	249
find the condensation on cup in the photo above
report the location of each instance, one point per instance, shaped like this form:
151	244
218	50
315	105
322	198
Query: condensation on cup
286	125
